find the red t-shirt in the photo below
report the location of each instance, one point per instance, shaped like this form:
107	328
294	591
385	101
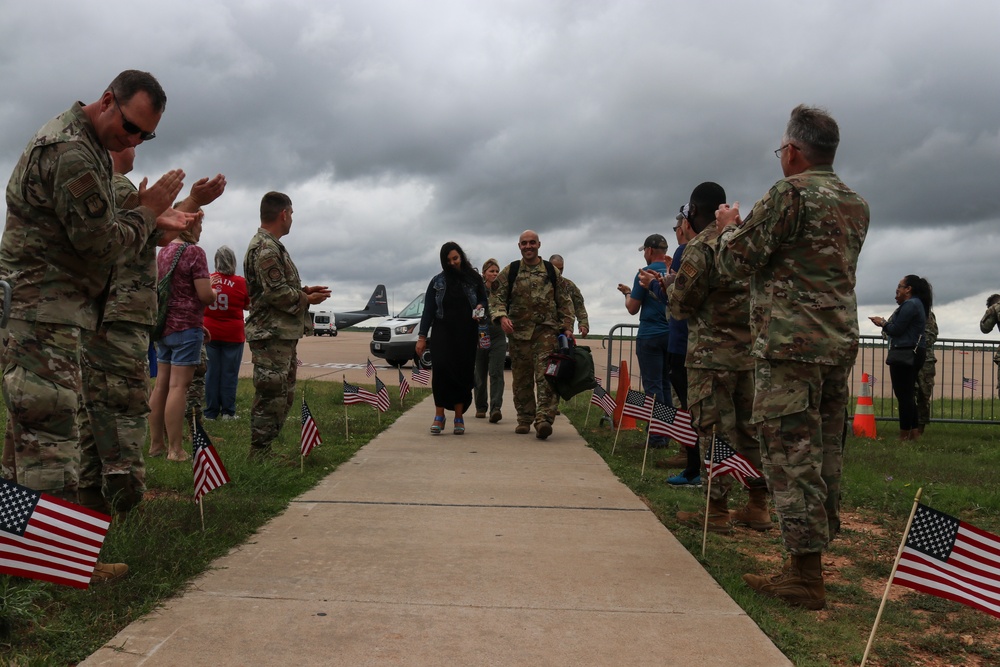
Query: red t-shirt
185	311
224	318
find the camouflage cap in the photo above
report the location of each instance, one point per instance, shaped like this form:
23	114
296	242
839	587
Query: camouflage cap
654	241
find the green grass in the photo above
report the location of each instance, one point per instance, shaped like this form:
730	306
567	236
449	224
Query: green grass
162	540
955	464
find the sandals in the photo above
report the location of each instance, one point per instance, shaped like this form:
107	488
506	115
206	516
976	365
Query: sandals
438	425
459	426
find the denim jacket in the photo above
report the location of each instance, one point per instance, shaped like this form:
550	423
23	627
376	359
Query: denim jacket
434	309
905	327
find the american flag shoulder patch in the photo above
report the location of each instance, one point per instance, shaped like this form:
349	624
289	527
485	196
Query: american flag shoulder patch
81	185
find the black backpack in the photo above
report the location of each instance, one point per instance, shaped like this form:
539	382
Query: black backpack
515	266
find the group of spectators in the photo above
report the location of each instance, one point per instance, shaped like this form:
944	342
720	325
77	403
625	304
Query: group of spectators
79	251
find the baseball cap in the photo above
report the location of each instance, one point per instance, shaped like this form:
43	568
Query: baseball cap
655	241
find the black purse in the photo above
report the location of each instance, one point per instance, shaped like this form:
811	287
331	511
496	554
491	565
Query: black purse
902	356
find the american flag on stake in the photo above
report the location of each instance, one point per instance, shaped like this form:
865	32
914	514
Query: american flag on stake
725	460
354	394
603	400
951	559
209	473
969	383
614	371
43	537
369	369
381	396
310	432
638	405
673	423
421	375
404	386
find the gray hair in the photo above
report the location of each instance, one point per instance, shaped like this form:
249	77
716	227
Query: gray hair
225	261
815	133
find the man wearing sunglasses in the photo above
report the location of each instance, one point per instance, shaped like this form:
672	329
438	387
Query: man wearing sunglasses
64	232
799	246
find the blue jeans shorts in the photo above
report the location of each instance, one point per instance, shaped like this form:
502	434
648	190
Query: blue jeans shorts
181	348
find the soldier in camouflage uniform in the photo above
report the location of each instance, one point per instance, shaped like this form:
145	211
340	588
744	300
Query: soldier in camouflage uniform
991	320
279	316
533	310
579	309
112	416
720	368
925	376
63	234
800	247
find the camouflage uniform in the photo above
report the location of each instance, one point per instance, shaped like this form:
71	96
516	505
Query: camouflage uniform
279	316
538	317
115	406
720	368
800	247
576	298
991	320
925	376
64	233
196	393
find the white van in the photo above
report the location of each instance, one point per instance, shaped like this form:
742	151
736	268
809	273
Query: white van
324	323
395	340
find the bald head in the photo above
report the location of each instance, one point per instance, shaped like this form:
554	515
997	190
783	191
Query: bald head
528	243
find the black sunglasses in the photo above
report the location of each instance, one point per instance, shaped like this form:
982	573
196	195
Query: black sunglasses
129	126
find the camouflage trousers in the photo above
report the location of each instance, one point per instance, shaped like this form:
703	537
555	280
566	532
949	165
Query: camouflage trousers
925	389
801	410
42	382
7	460
196	393
274	368
721	401
527	371
113	418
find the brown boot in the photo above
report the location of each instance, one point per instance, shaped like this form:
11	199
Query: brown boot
105	573
904	435
676	461
800	584
915	433
718	518
755	514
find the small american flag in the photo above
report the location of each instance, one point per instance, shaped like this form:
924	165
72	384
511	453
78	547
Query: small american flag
951	559
209	473
969	383
369	369
44	537
381	396
603	400
421	375
614	371
310	432
673	423
404	386
598	380
638	405
725	460
354	394
872	380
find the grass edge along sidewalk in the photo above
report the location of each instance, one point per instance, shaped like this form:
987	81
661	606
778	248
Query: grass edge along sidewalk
162	540
957	464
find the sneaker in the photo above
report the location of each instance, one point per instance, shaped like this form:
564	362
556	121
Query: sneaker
495	416
543	430
521	429
105	573
229	418
680	480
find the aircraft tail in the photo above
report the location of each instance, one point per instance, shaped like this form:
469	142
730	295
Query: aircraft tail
378	304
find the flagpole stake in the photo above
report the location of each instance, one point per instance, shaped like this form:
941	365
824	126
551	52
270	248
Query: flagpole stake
587	418
888	585
708	495
347	431
619	430
201	510
642	472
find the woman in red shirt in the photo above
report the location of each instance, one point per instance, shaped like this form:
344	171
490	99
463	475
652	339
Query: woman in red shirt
224	321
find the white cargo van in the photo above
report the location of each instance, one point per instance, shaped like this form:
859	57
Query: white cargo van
324	323
395	340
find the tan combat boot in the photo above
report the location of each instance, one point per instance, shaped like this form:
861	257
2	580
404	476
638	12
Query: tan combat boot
800	584
718	517
105	573
755	514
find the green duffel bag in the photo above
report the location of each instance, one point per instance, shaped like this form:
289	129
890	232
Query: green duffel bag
581	375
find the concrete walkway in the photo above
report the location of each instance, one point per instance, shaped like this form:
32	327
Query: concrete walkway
484	549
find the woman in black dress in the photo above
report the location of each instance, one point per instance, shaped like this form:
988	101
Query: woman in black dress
453	305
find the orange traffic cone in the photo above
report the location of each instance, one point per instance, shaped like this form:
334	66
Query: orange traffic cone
864	414
624	384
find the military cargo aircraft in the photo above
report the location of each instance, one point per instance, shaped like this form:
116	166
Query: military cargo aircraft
378	306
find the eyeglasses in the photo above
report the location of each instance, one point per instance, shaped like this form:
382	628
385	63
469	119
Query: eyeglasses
777	151
129	126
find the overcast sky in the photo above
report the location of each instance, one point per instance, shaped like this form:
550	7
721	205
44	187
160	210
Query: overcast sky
398	125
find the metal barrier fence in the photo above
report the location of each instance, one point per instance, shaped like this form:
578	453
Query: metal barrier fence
965	382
